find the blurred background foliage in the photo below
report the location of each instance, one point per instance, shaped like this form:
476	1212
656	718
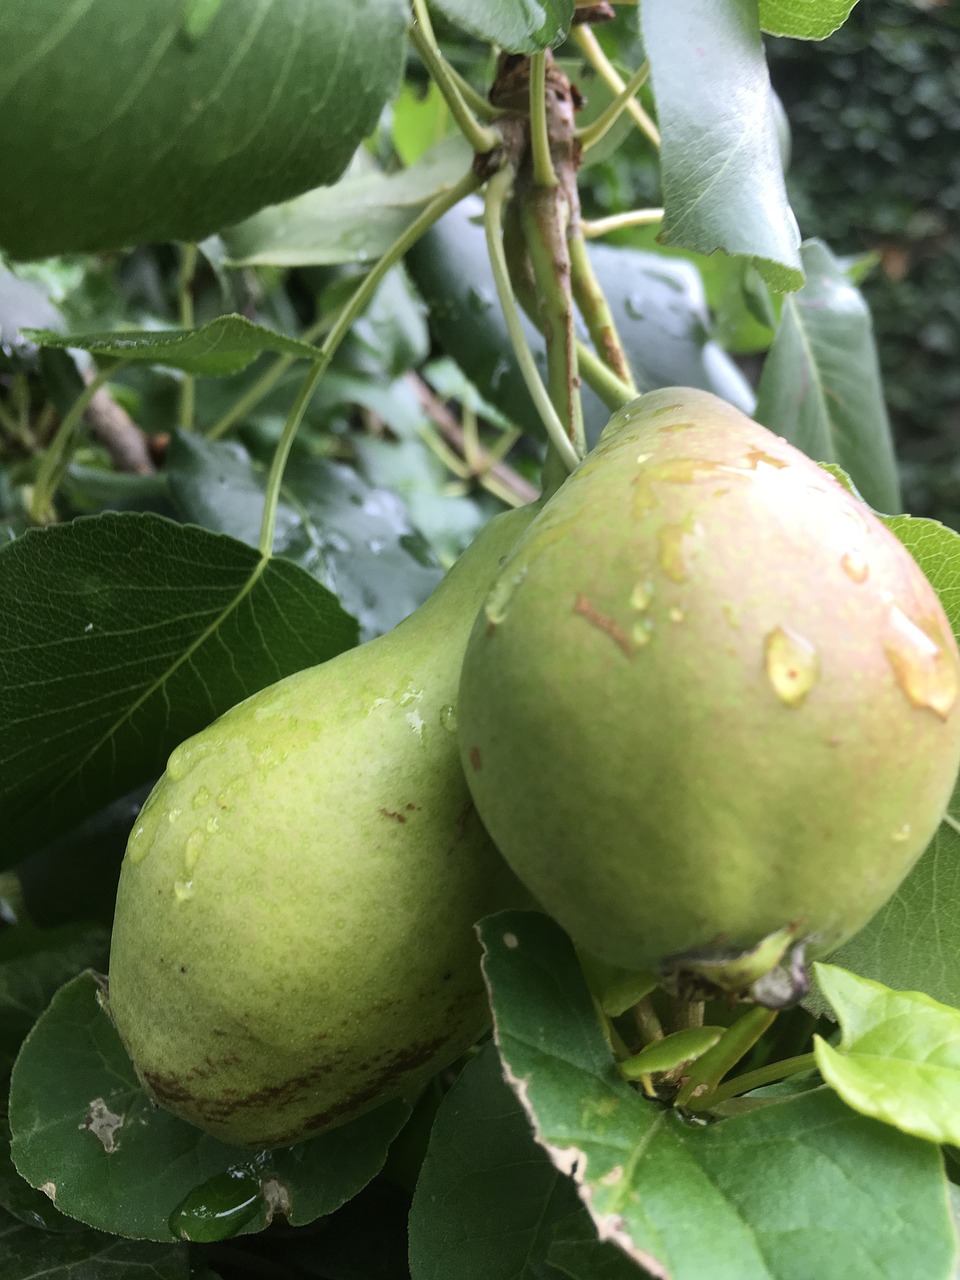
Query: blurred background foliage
875	119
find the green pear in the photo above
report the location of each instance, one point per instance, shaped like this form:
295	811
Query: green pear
711	699
294	941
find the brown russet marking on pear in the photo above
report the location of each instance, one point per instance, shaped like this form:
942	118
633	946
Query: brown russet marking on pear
604	623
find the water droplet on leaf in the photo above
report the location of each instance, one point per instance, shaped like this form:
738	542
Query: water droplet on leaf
182	890
448	719
219	1208
193	849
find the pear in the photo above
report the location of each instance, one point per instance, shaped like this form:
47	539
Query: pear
711	699
293	941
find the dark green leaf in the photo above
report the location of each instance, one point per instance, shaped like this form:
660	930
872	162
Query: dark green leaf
803	1188
114	1160
720	159
521	26
488	1196
578	1254
804	19
225	345
821	386
117	127
123	634
29	1254
355	540
355	221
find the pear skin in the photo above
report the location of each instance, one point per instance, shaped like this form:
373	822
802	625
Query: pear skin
293	941
730	692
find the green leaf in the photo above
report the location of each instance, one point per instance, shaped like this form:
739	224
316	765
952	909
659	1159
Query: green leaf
160	132
121	635
804	19
672	1051
355	221
899	1058
29	1254
354	539
487	1196
111	1158
225	345
913	942
802	1188
821	385
519	26
24	304
720	158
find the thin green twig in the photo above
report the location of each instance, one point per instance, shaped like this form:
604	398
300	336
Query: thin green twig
753	1080
591	133
481	137
188	265
437	207
608	73
619	222
544	174
55	460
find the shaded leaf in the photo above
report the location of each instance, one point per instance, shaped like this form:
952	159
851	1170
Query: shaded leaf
154	135
487	1196
122	634
804	19
225	345
720	158
520	26
821	387
803	1188
354	539
899	1058
356	220
29	1254
577	1253
117	1162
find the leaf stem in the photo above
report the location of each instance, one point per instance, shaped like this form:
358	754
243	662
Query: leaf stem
590	46
188	265
951	821
481	138
544	174
592	229
498	188
753	1080
591	133
56	458
359	299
